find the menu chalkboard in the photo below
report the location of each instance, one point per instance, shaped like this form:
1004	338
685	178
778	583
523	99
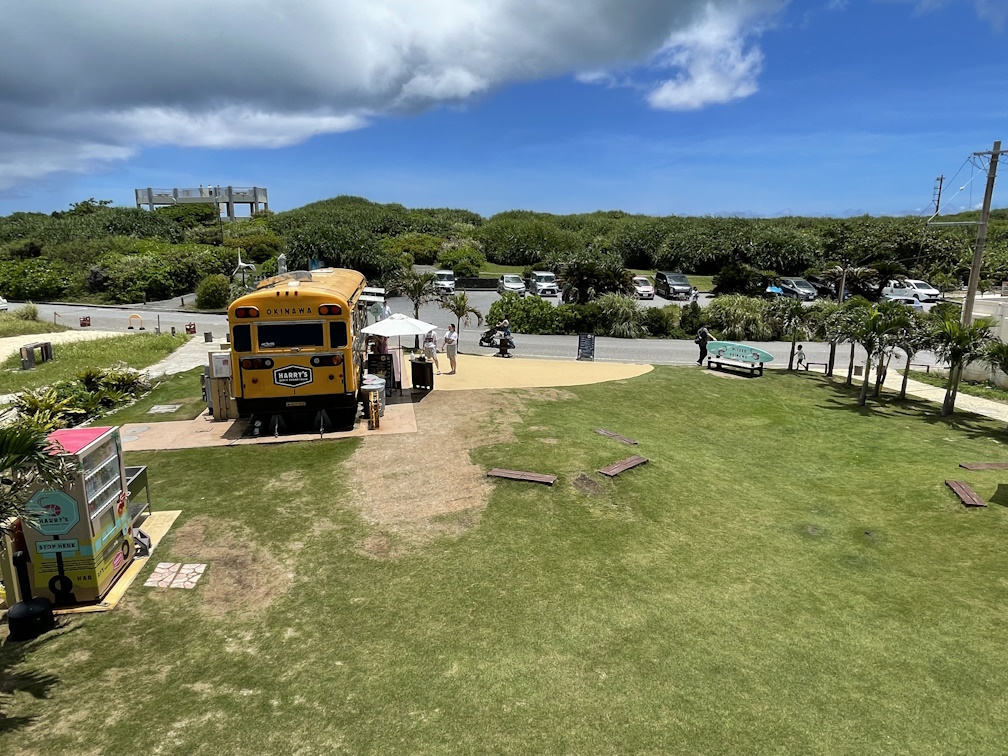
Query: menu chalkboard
381	365
586	346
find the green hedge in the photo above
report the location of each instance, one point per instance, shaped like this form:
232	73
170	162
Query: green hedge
609	315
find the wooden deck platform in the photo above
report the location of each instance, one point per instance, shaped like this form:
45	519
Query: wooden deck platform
966	494
616	436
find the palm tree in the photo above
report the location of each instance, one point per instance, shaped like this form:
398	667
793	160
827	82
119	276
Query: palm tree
791	315
847	327
26	464
958	345
458	305
914	337
419	289
997	356
825	324
877	323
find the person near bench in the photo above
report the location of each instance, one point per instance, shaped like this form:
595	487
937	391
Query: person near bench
801	359
702	337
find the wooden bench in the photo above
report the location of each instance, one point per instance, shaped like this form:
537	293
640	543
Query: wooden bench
825	365
966	494
623	465
927	368
754	368
984	465
616	436
529	477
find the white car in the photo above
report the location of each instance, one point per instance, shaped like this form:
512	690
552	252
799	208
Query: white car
643	288
444	281
922	291
911	302
3	305
543	283
513	283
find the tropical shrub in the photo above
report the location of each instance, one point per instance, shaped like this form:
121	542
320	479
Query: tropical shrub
213	292
741	318
27	311
663	322
619	316
461	257
423	249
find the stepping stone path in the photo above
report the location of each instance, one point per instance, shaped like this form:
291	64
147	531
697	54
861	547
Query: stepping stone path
175	575
163	409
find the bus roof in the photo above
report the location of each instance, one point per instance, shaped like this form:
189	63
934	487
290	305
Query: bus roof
341	281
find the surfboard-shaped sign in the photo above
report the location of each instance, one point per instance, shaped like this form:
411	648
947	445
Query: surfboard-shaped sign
729	350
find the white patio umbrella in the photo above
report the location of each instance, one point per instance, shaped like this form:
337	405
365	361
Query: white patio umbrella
398	325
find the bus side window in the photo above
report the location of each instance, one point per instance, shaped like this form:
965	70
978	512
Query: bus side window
241	339
337	334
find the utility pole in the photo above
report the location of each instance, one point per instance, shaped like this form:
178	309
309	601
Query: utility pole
937	193
981	242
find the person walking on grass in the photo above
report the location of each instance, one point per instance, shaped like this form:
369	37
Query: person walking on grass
702	337
451	346
801	358
430	348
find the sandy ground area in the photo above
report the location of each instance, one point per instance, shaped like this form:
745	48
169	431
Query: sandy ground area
480	371
11	344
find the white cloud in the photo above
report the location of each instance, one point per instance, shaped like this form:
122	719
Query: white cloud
82	84
715	64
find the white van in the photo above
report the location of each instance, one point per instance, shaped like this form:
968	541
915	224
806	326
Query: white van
543	283
444	281
922	291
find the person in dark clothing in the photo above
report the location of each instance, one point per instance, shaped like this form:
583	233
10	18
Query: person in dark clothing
702	337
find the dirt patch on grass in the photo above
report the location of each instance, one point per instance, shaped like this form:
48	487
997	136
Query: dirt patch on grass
410	484
242	577
378	546
586	484
550	441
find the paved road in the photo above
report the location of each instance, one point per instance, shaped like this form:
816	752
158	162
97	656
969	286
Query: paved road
652	351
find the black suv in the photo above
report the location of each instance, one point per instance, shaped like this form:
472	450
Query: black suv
672	285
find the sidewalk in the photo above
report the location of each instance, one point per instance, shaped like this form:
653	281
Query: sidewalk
964	402
192	354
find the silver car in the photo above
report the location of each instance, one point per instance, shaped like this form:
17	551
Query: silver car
513	283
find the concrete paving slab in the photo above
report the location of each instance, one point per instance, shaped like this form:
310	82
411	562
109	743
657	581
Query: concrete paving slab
205	432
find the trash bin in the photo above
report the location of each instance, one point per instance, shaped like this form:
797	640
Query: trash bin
422	374
208	337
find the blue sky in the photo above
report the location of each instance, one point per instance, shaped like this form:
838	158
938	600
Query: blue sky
742	107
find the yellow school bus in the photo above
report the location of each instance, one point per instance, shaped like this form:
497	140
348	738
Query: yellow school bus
296	346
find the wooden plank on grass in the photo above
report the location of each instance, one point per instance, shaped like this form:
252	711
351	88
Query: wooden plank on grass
610	434
984	465
623	465
966	494
529	477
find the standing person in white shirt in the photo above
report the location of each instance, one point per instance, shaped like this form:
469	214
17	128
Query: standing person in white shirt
430	348
386	310
451	346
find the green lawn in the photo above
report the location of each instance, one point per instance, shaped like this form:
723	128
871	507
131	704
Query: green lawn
136	351
181	388
788	574
985	390
10	325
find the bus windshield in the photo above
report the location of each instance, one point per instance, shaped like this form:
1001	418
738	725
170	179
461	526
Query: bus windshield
290	335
